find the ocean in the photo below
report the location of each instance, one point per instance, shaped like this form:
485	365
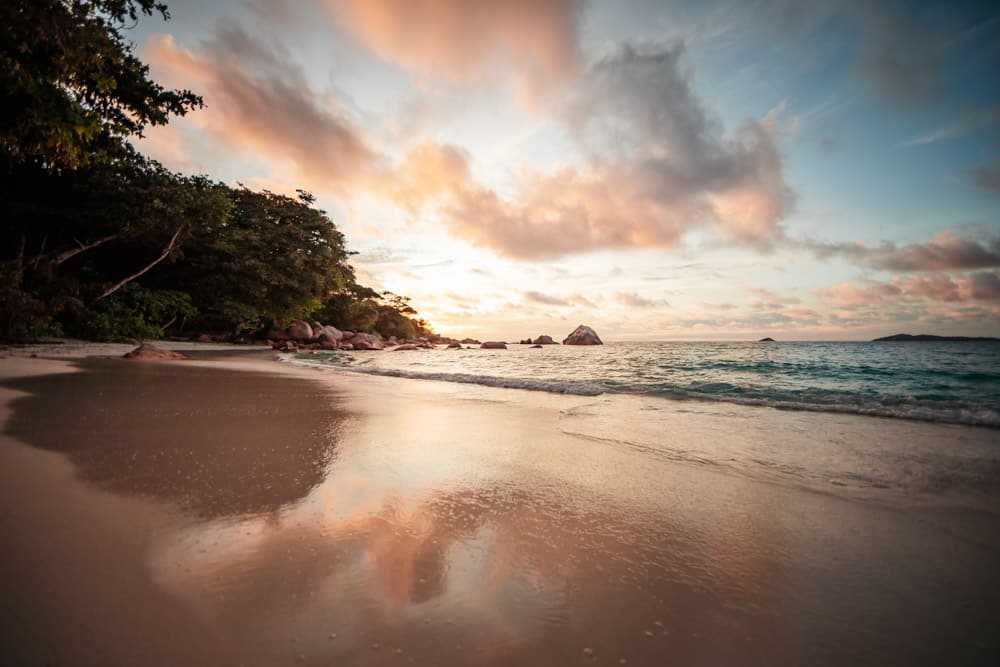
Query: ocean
948	382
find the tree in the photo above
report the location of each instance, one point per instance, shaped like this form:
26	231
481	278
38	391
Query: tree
101	218
73	87
73	238
272	257
84	217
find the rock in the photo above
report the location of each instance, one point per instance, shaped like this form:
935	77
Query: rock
766	340
275	334
538	345
406	346
470	341
583	335
348	335
146	351
328	334
346	346
544	340
327	345
299	330
285	346
367	341
454	346
494	345
392	340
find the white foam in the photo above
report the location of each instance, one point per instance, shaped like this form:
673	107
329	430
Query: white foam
555	387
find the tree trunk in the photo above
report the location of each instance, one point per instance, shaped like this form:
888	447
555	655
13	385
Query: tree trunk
124	281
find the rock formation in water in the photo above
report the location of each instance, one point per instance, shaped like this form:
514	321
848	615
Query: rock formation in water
583	335
494	345
544	340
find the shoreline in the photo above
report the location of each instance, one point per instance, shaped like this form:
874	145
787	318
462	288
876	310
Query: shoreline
455	524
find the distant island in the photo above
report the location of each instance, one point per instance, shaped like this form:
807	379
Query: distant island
930	338
768	339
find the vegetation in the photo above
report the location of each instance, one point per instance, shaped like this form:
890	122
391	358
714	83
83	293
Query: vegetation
100	242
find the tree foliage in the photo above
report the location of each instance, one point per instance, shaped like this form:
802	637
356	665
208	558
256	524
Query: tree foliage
73	87
100	242
271	257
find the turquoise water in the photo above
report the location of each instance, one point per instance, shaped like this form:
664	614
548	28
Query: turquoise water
956	382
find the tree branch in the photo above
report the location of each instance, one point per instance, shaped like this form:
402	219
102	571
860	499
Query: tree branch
124	281
73	252
61	257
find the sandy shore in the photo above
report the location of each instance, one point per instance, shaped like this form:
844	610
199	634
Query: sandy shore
235	511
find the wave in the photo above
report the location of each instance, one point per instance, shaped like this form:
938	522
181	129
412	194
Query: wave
838	402
859	406
550	386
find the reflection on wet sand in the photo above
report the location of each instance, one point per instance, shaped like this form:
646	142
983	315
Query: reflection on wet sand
216	442
445	533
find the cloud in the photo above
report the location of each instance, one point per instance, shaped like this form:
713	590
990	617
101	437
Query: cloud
985	286
427	172
581	300
979	286
805	314
939	287
768	296
634	300
256	99
848	295
961	126
942	287
469	41
945	251
658	166
544	299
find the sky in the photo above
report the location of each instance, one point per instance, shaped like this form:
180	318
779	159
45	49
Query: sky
656	170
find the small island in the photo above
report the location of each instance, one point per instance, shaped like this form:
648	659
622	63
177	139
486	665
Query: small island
928	338
766	339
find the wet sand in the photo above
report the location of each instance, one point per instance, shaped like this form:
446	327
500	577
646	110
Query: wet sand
240	512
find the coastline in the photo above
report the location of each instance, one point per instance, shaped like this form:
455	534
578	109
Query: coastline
460	524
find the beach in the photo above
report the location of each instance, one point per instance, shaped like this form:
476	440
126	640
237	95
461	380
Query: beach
231	510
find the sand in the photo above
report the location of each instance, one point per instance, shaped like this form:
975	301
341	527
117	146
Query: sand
235	511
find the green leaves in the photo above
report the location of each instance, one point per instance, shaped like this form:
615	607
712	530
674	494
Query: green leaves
82	214
73	89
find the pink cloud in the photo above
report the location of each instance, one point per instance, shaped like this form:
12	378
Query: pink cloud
848	295
678	172
464	41
634	300
939	287
802	313
256	100
945	251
